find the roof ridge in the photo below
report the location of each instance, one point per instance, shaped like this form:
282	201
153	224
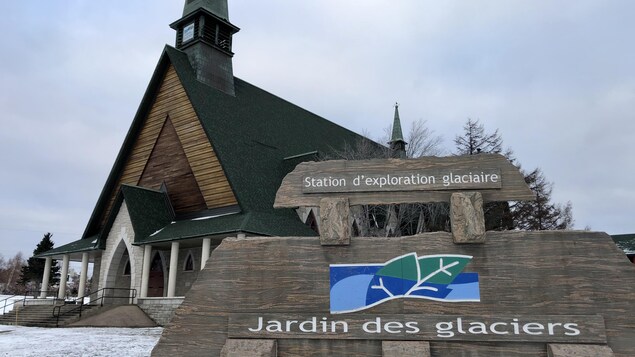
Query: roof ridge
142	188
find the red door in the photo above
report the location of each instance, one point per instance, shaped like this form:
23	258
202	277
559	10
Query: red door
155	281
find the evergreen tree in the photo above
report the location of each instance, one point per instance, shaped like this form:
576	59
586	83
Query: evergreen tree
475	140
33	271
541	214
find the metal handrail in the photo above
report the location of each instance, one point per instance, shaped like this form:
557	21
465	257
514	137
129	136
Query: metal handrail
24	298
132	294
11	304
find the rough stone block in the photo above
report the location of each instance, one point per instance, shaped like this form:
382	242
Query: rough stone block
563	350
467	218
334	224
249	348
405	349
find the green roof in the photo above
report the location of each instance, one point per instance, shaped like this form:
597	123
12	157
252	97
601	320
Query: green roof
251	133
256	223
625	242
149	210
82	245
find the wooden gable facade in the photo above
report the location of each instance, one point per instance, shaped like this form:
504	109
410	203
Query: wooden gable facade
172	149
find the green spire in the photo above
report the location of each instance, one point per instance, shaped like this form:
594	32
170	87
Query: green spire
216	7
397	134
397	143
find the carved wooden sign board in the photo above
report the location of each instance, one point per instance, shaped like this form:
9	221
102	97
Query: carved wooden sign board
429	179
551	293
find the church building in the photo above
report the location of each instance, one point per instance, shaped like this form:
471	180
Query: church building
202	161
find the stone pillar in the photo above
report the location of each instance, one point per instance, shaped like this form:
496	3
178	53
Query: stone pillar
565	350
335	227
207	243
83	276
61	293
467	218
405	348
174	263
46	276
145	271
249	347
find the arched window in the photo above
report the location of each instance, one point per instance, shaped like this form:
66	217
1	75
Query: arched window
189	263
126	269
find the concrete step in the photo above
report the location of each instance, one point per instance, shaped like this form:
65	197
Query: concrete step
42	316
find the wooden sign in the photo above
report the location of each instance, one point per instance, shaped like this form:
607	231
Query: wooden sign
535	289
380	181
512	328
427	179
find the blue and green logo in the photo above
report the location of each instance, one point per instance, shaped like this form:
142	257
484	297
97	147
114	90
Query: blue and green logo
355	287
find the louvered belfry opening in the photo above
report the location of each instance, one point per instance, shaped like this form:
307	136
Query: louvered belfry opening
214	32
220	36
205	34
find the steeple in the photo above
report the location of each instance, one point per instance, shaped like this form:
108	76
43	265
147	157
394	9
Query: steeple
397	143
218	8
205	34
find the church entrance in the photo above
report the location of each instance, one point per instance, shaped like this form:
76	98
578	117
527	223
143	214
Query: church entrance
156	278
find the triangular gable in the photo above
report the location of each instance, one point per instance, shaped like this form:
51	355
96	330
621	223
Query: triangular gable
255	135
168	165
149	210
171	103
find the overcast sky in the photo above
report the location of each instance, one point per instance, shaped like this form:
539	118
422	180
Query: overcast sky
557	78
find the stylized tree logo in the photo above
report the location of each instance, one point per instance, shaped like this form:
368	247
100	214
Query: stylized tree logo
356	287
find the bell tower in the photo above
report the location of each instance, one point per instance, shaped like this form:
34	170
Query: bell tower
205	34
397	143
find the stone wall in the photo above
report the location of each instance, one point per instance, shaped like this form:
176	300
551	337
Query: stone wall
184	278
160	310
121	236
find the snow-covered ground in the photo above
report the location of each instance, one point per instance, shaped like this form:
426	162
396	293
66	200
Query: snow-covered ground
6	303
78	341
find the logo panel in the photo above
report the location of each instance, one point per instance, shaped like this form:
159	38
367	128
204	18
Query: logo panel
356	287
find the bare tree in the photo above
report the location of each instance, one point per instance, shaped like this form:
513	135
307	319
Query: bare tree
402	219
10	274
422	141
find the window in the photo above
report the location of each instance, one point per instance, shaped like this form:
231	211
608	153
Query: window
126	269
188	32
189	263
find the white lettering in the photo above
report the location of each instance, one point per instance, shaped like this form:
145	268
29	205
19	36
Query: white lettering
259	326
492	328
412	327
376	323
274	326
572	330
477	328
393	327
444	329
528	327
312	322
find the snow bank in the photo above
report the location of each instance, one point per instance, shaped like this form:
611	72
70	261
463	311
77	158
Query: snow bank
62	342
6	306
